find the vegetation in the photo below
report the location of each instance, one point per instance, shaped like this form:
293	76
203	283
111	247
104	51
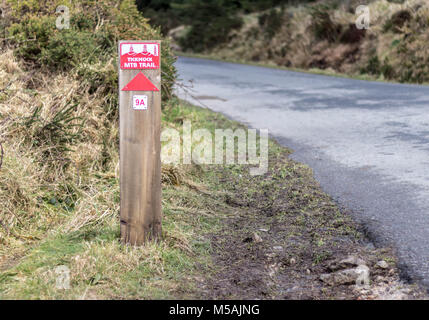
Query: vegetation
322	25
311	35
65	212
59	179
209	22
59	151
271	21
89	43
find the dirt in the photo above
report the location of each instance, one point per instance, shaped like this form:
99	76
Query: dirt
283	232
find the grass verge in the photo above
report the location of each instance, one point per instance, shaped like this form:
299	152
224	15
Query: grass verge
212	215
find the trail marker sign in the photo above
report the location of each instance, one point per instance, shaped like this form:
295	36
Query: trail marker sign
139	55
140	140
140	102
140	83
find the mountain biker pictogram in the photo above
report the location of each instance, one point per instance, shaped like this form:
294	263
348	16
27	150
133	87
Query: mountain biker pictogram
139	56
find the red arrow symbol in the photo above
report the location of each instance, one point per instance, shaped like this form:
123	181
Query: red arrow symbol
140	83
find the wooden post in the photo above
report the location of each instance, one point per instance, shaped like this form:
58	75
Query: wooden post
140	140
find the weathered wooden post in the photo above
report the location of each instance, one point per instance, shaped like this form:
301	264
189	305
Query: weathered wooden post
140	140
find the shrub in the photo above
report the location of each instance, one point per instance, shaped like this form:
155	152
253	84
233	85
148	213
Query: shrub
373	66
352	34
102	79
68	48
53	134
397	21
414	66
387	70
95	28
271	22
322	25
211	23
31	36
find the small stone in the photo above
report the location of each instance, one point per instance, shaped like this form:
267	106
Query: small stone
358	276
382	264
349	262
292	261
263	230
308	271
257	238
363	278
347	276
278	248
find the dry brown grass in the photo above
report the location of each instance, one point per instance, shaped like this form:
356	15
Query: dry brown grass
35	181
403	54
59	195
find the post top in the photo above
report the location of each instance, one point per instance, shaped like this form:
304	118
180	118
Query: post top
138	41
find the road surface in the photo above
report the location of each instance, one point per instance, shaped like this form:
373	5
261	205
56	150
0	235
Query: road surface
368	142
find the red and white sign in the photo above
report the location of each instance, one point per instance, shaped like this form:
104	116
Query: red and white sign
140	102
140	83
139	55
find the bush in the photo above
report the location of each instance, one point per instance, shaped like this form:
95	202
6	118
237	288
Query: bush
397	21
68	48
95	28
211	23
31	36
414	66
103	79
373	66
271	22
387	70
53	134
322	26
352	34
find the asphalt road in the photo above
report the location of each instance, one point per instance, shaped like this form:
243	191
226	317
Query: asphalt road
368	142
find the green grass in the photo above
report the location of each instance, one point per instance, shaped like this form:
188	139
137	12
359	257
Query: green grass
206	216
112	270
101	267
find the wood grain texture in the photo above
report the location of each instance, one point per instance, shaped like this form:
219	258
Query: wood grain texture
140	162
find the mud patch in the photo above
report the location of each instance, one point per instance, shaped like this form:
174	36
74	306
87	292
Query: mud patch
283	232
